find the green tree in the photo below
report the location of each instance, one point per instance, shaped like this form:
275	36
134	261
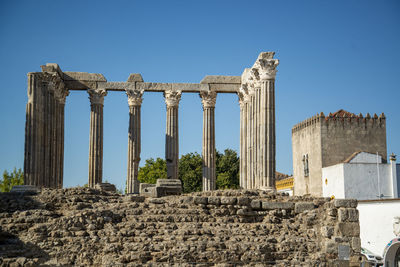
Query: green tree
227	165
190	172
16	177
152	170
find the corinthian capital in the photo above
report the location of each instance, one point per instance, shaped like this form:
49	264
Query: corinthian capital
208	98
134	97
243	95
267	70
61	95
96	96
265	66
172	97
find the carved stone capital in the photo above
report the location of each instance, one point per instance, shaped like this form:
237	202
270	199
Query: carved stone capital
61	95
208	98
172	97
96	96
243	95
249	80
267	68
53	81
134	97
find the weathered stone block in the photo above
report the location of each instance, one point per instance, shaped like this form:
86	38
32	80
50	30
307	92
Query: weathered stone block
167	187
344	252
156	200
214	201
147	190
255	204
200	200
332	212
327	231
245	212
300	207
106	187
25	189
351	229
134	198
353	215
243	201
228	200
345	203
330	247
356	244
266	205
342	214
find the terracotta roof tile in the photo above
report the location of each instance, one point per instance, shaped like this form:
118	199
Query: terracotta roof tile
343	113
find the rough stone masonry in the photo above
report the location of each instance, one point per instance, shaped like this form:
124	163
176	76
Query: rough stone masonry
44	131
90	227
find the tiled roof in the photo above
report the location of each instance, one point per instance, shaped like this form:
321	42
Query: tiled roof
352	156
343	113
280	176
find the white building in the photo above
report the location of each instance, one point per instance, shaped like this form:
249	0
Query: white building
376	185
377	221
362	176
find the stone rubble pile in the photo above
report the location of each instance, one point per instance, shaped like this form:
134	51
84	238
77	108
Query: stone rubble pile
90	227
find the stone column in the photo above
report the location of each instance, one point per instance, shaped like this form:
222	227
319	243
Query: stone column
243	103
208	99
267	72
172	98
61	96
48	136
249	141
33	130
252	140
96	97
257	139
135	102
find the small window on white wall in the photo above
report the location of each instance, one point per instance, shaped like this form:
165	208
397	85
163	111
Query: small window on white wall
305	165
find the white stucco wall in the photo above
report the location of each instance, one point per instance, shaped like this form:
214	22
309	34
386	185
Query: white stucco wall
357	180
361	181
376	223
333	181
365	157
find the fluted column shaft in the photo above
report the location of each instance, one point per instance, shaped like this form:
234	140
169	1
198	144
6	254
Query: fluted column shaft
269	141
172	98
249	140
243	140
134	140
48	138
61	145
241	150
33	131
96	97
208	151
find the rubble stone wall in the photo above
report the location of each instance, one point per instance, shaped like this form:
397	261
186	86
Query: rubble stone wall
88	227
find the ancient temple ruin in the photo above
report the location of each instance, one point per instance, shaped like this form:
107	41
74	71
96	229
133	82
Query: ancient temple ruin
44	133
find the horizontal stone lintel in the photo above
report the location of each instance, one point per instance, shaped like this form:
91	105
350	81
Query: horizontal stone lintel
221	79
85	80
152	87
83	76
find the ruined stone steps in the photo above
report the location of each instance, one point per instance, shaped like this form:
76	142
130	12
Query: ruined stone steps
87	227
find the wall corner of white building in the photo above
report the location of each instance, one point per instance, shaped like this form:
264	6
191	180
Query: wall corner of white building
393	172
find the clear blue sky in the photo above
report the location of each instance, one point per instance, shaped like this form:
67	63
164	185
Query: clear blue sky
333	55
